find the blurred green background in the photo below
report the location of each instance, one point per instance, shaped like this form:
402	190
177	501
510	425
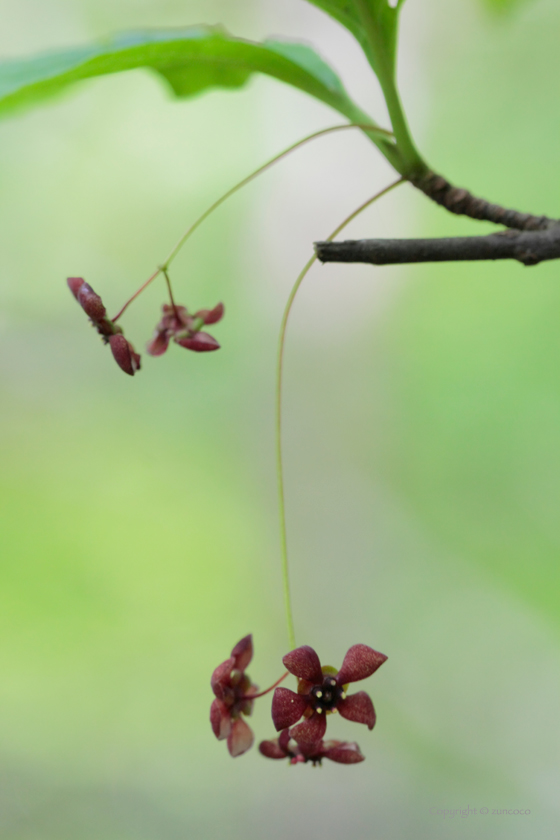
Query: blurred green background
138	530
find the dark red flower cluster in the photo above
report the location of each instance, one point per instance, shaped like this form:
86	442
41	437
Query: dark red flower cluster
234	697
176	323
300	717
184	329
322	691
112	334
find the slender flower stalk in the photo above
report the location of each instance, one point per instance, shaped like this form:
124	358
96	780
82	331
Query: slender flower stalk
170	291
268	690
161	269
279	376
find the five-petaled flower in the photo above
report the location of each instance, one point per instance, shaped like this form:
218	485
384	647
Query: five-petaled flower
322	691
234	691
122	350
184	329
342	752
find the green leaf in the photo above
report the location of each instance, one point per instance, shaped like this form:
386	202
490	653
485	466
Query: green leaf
373	23
191	60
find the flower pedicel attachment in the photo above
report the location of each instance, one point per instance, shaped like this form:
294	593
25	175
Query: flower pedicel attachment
322	691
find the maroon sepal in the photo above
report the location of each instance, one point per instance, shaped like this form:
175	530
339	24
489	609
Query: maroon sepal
310	731
124	355
287	708
240	739
359	708
211	316
360	662
200	342
304	663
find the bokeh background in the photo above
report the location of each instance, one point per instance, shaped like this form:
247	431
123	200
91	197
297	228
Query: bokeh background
138	525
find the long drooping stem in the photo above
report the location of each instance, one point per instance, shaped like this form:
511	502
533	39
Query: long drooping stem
188	233
279	378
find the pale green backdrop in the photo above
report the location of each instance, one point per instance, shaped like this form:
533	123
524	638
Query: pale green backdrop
138	531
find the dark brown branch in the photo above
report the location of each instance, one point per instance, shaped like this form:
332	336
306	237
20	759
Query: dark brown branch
527	247
463	203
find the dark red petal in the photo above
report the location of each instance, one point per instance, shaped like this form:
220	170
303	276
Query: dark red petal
220	719
220	679
304	663
240	739
360	662
243	652
91	303
272	749
342	752
284	740
200	342
159	343
287	707
124	355
211	316
310	731
75	284
359	708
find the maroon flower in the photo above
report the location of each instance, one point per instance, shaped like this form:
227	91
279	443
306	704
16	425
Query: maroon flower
342	752
233	690
322	691
124	355
184	329
123	351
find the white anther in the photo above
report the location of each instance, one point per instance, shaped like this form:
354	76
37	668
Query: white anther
319	710
318	694
343	695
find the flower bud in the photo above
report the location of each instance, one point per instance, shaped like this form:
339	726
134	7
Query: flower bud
75	284
200	342
91	303
124	355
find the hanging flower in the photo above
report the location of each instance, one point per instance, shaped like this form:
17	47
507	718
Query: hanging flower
234	691
123	351
322	691
342	752
184	329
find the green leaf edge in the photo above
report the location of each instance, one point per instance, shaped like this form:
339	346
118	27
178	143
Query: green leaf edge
180	56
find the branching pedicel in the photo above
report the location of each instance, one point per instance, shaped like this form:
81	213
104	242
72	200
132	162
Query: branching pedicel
321	691
200	58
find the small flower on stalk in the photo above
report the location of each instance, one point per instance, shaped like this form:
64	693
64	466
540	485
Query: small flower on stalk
184	329
342	752
123	351
234	691
322	691
124	355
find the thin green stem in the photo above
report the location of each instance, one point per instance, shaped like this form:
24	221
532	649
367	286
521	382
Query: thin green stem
267	691
366	127
170	292
279	379
257	172
412	163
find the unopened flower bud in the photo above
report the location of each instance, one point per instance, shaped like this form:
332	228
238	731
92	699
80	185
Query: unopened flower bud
91	303
124	355
75	284
200	342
